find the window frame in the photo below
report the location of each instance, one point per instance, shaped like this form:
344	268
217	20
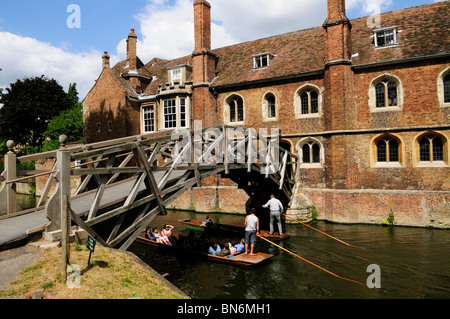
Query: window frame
385	79
227	110
385	31
418	162
258	60
152	118
299	103
441	87
175	113
265	105
310	142
388	163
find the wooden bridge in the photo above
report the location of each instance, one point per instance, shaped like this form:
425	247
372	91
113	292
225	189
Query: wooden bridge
127	182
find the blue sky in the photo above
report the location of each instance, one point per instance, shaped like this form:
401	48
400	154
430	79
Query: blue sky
35	38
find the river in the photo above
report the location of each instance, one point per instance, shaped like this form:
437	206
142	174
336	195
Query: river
413	263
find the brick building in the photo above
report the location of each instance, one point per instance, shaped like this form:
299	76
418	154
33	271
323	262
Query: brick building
367	109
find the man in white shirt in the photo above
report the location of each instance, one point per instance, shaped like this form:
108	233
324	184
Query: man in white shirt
276	207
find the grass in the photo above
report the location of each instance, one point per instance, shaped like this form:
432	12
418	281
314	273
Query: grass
111	275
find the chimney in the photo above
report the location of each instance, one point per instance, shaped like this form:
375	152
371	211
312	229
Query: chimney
131	51
203	65
204	59
337	33
105	60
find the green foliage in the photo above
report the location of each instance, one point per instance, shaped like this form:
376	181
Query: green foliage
314	212
68	122
390	220
28	106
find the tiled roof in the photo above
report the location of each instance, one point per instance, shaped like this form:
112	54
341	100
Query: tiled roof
424	32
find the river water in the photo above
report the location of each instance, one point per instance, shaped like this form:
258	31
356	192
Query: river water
413	263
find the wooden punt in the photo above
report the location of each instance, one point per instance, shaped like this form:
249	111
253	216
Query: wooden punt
224	229
239	259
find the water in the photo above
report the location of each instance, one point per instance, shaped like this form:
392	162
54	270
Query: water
24	202
414	263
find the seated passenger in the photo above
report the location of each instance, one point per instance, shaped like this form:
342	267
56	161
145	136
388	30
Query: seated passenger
240	247
224	252
167	231
159	237
232	248
213	249
208	222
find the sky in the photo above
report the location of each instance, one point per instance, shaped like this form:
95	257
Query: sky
65	39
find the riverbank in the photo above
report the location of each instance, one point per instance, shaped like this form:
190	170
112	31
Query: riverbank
112	274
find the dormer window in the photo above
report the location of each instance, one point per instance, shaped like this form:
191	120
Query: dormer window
262	60
175	75
385	37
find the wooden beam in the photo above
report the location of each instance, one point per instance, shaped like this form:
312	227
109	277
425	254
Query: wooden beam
150	180
77	219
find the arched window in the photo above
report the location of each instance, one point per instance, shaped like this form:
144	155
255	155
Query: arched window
307	101
431	148
271	106
310	102
386	94
447	88
311	152
236	109
387	150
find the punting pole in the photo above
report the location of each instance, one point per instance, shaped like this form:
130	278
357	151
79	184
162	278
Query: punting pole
309	262
320	231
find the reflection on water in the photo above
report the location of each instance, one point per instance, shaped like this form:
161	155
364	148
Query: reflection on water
24	202
413	262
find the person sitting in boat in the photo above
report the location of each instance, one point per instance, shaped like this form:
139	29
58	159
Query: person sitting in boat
232	249
213	249
149	234
208	222
241	246
224	252
167	231
159	237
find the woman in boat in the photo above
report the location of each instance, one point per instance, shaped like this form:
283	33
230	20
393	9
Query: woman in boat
149	234
167	232
232	248
159	237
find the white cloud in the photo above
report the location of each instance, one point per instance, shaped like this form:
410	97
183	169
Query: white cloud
23	57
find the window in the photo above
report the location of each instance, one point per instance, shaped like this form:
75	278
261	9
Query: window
182	112
387	150
385	94
148	113
236	108
272	112
385	37
269	107
262	60
310	102
175	113
431	148
175	75
447	88
443	88
310	152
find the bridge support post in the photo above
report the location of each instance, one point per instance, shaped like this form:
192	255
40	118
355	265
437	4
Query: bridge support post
8	192
300	207
63	167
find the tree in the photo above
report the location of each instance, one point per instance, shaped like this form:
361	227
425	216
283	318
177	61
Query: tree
28	106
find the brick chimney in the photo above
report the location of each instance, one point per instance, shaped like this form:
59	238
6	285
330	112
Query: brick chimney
203	65
105	60
131	50
337	33
204	60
